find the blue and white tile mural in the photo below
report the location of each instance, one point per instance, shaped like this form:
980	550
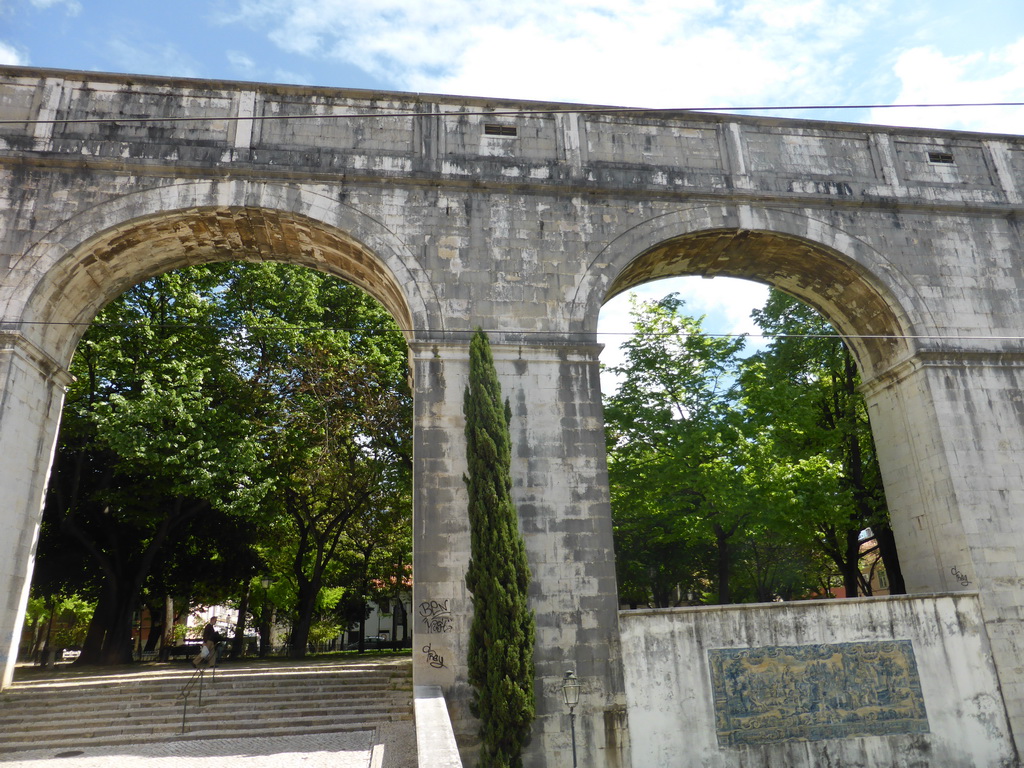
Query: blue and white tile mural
814	692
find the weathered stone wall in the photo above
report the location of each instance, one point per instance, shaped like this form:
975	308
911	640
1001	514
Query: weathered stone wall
31	395
908	240
561	498
903	681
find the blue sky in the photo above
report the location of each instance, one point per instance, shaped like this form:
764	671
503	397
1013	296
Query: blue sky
644	53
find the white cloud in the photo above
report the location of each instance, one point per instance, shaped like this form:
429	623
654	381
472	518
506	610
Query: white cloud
151	58
292	78
241	63
10	55
928	76
635	53
73	6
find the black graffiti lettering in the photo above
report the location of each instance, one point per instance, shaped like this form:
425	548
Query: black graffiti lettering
962	578
436	615
434	659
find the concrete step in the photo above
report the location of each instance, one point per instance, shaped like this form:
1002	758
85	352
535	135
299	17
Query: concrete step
148	684
192	733
199	721
239	693
240	702
227	714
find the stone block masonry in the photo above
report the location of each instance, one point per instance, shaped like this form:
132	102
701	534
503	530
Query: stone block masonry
524	218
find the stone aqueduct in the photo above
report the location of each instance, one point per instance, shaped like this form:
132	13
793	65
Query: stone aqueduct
523	218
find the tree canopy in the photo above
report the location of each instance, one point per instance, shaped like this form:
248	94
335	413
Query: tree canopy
220	415
740	478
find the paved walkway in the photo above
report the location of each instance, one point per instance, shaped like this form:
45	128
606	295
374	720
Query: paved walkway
390	746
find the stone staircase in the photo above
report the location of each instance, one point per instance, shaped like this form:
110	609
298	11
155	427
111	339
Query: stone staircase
75	710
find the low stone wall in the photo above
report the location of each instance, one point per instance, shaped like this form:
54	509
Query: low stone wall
435	741
894	681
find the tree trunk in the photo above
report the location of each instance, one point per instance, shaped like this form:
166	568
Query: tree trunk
724	557
265	631
157	618
36	630
238	644
168	637
102	617
851	563
49	624
890	559
117	645
306	604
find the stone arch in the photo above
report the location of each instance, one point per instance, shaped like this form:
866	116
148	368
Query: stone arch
100	253
881	315
845	279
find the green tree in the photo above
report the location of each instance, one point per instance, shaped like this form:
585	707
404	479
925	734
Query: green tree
186	410
673	441
338	466
500	657
801	397
780	556
150	440
55	622
768	462
377	561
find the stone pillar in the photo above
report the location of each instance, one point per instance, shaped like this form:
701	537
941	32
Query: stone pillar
950	434
561	493
31	397
919	486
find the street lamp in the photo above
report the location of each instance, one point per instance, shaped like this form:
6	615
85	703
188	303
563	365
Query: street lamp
571	695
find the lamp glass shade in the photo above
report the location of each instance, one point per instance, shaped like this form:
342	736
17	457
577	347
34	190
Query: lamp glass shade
570	689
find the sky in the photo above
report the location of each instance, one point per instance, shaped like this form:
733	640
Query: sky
633	53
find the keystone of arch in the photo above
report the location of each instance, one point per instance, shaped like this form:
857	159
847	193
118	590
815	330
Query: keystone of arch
85	262
844	278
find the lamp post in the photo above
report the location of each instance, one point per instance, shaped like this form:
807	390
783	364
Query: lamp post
571	695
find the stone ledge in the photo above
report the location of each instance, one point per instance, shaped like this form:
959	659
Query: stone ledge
435	740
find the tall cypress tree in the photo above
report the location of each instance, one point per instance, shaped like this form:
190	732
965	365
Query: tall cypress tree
501	636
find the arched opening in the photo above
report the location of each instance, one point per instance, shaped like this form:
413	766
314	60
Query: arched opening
118	259
711	482
111	261
835	285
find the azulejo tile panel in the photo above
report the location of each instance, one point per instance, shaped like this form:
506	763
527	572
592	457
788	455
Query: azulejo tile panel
813	692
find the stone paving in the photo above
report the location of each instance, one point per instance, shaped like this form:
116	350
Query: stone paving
392	746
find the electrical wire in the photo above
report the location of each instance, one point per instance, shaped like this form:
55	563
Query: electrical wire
554	111
503	113
449	331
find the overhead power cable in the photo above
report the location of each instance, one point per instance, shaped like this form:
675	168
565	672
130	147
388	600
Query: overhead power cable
499	113
381	331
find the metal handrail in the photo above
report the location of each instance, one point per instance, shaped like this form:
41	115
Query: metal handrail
186	690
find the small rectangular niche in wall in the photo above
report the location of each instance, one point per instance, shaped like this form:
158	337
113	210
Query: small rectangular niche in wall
940	158
496	129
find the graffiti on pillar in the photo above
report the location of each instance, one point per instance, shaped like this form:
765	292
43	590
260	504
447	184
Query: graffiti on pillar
962	578
436	615
434	659
815	692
